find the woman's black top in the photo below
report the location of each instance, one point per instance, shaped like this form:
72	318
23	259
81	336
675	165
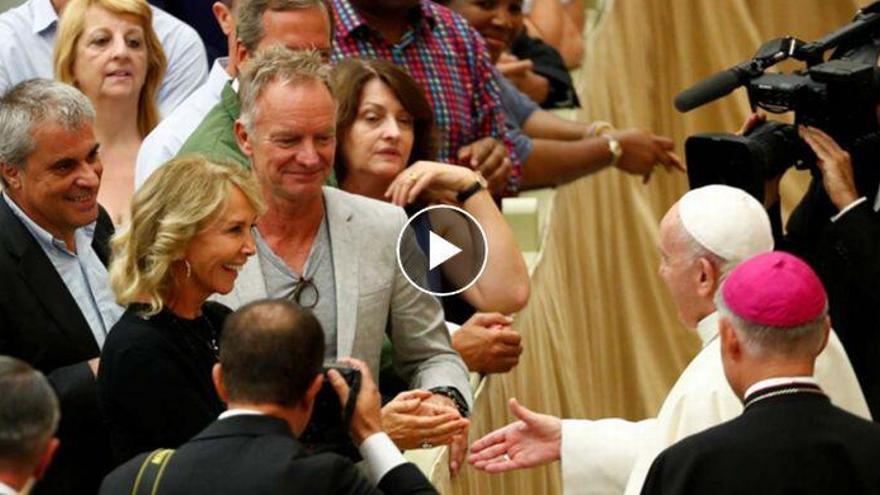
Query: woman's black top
154	380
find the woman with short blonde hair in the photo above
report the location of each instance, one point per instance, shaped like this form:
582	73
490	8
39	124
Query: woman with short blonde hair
188	235
108	50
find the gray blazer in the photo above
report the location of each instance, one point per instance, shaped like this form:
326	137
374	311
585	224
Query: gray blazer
373	295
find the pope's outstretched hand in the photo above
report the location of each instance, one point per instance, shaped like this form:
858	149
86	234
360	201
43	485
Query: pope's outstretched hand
532	441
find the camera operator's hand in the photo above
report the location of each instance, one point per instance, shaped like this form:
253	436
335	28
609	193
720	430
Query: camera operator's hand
367	417
753	121
413	424
642	150
835	164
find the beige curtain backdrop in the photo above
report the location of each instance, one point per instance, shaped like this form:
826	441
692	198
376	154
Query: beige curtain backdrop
601	336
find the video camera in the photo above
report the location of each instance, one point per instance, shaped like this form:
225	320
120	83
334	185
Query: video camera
838	96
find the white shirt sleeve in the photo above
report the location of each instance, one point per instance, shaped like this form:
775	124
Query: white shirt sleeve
381	455
186	56
850	207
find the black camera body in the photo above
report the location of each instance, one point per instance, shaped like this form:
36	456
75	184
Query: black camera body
838	97
327	430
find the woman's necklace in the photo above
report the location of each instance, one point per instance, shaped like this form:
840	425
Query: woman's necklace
187	335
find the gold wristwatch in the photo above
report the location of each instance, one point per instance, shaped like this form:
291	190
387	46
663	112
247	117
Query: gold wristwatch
615	148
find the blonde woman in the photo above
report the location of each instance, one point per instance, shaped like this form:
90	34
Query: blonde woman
189	235
109	51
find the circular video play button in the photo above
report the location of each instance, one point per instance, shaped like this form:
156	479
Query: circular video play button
442	250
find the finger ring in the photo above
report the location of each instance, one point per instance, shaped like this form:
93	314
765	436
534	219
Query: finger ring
412	176
427	445
506	457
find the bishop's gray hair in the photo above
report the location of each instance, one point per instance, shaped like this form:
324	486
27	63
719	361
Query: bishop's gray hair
764	340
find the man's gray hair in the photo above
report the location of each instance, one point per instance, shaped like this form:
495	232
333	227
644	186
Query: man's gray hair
28	104
250	18
765	340
277	64
28	413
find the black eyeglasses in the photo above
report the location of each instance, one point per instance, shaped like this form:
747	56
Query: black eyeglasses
305	293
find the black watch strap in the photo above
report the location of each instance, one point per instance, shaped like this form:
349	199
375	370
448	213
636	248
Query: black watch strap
466	193
456	397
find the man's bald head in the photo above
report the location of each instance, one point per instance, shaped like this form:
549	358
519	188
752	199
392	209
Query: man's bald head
270	353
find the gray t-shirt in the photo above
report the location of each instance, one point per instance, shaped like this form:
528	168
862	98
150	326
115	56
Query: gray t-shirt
281	282
517	109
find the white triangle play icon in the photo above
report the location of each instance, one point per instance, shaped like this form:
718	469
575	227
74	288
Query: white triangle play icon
439	250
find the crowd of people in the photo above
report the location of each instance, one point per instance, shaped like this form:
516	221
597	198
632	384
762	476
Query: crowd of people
184	248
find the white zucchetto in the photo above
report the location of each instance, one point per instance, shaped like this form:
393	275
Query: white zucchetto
726	221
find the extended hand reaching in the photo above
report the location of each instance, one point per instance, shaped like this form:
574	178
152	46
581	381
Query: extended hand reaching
532	441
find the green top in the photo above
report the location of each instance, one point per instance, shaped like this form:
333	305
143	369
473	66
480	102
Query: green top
215	136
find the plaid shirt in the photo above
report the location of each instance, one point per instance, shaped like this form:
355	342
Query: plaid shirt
449	59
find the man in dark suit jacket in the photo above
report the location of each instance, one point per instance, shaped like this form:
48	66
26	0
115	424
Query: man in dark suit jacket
53	252
270	371
790	438
836	229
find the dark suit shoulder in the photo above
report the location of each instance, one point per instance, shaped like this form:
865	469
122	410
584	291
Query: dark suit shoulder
121	479
800	444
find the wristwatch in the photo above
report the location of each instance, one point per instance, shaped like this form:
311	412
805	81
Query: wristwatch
456	397
615	148
479	184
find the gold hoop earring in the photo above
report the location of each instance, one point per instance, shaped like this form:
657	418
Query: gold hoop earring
188	268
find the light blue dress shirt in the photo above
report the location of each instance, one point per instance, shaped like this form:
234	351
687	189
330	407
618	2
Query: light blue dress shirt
82	272
163	143
27	37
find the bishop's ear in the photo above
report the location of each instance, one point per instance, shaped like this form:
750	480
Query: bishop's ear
731	345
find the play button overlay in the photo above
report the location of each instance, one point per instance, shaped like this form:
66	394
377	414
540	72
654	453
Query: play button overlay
442	250
439	250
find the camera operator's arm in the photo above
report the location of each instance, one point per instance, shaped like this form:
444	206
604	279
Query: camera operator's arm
856	227
386	464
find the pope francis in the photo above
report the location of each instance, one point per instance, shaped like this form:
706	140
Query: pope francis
702	237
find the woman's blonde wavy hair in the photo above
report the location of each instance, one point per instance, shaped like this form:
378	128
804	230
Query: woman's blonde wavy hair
174	204
70	29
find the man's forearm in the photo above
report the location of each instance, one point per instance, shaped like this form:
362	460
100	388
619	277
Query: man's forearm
556	162
547	125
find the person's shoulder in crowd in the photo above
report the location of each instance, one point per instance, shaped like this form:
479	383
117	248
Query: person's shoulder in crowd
454	27
186	56
246	455
780	437
17	30
215	136
382	216
166	139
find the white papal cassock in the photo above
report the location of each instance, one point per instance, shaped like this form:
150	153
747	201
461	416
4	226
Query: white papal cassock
610	456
